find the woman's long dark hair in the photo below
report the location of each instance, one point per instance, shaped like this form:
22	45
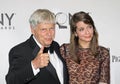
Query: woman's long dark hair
86	18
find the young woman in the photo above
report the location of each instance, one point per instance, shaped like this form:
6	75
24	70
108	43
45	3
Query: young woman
87	61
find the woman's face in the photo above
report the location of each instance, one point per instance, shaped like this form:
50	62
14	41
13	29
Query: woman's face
84	32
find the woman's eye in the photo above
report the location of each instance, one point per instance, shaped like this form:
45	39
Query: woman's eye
90	26
81	29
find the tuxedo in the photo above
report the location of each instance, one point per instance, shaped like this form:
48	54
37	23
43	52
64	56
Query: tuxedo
20	69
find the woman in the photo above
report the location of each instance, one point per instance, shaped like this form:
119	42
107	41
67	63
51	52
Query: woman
87	61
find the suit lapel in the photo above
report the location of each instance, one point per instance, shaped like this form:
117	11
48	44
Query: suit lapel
36	50
52	70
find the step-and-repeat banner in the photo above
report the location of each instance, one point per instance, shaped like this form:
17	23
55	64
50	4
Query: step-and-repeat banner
14	26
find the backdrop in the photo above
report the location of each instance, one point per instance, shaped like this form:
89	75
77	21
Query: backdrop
14	26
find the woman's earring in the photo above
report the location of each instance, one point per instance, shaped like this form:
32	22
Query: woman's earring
75	35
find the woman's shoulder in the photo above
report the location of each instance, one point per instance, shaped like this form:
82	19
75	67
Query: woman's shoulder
102	48
64	47
104	51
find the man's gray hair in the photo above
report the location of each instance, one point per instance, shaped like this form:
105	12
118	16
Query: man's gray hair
42	16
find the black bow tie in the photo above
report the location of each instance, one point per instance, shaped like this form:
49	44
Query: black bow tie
48	48
45	49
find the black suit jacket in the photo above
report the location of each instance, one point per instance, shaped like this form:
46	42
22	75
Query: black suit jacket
20	70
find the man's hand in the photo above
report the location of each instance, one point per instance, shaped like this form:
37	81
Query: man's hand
41	60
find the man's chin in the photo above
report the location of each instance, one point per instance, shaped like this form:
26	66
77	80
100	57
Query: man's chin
48	44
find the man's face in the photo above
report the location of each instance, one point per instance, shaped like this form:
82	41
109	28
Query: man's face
44	33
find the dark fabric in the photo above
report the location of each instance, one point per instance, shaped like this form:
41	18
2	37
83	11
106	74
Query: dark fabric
20	70
46	50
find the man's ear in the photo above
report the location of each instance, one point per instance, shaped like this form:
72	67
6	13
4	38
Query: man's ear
32	29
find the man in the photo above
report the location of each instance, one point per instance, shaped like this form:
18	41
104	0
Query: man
29	63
